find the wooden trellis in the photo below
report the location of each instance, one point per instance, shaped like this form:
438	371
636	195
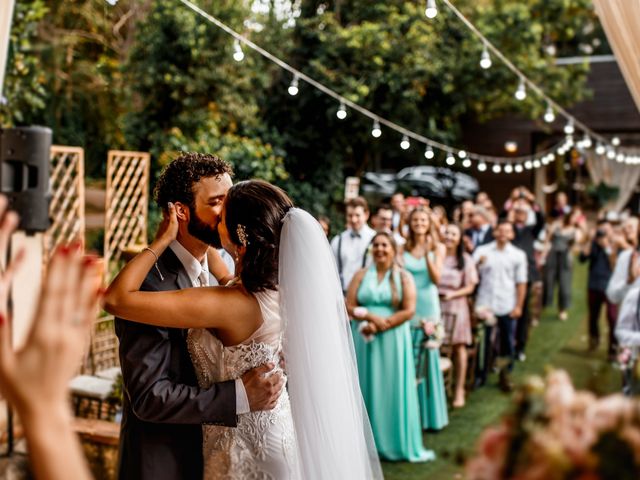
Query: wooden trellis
126	203
66	209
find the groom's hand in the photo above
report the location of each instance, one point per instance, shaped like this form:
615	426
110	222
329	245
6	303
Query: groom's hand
263	388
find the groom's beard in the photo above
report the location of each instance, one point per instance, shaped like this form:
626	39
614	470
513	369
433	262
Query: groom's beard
203	231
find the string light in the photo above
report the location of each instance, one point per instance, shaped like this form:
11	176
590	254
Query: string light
536	163
521	92
549	115
518	168
462	153
496	168
375	131
293	88
342	111
404	144
431	10
482	166
485	59
428	153
451	160
488	51
615	141
466	163
620	157
600	150
586	141
569	128
611	153
528	165
508	168
238	54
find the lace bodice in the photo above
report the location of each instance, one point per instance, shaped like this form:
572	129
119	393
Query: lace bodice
263	444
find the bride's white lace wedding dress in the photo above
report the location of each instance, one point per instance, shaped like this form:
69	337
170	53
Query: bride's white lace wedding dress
263	446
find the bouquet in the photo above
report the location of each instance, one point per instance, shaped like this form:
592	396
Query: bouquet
434	331
556	432
485	315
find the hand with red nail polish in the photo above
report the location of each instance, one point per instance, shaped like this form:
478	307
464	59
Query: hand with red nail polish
34	379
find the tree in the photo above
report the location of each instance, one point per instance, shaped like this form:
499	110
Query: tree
422	74
24	87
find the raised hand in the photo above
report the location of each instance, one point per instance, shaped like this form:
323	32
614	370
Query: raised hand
34	379
168	228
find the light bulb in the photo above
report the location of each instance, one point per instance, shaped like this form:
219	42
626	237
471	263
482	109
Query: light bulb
485	59
600	150
112	2
620	157
450	160
569	128
549	116
431	10
462	153
508	168
521	92
615	141
482	166
404	144
238	54
466	163
518	168
428	152
375	131
536	163
496	168
342	111
293	88
611	154
586	141
528	165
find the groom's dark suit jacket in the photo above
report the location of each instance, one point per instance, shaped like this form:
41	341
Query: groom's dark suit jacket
164	409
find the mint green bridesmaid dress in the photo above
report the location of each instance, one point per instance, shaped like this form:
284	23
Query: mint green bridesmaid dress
387	377
431	391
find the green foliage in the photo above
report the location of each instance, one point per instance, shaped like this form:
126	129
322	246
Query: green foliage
24	89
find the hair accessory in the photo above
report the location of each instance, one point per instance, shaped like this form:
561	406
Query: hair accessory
241	231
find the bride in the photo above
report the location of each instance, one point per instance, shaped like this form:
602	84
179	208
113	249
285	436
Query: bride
285	298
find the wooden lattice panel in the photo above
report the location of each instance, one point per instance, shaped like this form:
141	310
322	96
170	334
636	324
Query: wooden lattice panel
66	209
126	203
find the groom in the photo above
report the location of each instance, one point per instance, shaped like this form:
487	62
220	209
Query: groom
164	409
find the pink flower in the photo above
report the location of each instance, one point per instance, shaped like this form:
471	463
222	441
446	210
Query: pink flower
429	328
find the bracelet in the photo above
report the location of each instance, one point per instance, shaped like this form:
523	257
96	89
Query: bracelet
156	262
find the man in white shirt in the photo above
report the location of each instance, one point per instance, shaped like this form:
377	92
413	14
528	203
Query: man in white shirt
502	289
350	247
626	274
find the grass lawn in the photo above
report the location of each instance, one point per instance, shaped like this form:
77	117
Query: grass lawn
551	344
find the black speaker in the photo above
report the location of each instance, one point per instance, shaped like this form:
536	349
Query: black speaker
24	174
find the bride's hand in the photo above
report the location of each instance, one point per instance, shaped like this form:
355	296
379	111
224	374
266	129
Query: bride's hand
168	228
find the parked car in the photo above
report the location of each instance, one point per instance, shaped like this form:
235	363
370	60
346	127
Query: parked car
439	184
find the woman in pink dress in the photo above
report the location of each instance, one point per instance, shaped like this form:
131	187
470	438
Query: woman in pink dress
458	280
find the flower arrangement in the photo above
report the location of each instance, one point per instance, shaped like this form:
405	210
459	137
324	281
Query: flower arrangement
434	331
558	433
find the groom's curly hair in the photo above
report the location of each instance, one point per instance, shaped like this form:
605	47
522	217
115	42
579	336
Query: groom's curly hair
175	183
260	208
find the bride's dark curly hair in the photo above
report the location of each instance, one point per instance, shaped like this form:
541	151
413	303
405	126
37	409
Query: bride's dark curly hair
260	208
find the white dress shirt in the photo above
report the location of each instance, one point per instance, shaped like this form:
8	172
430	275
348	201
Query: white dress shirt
500	273
200	276
353	249
618	286
627	331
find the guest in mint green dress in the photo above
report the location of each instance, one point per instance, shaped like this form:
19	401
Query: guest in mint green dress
423	258
381	300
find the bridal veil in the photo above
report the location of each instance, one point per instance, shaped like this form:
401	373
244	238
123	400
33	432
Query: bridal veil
330	419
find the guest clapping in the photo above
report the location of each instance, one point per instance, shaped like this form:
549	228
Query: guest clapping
381	299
